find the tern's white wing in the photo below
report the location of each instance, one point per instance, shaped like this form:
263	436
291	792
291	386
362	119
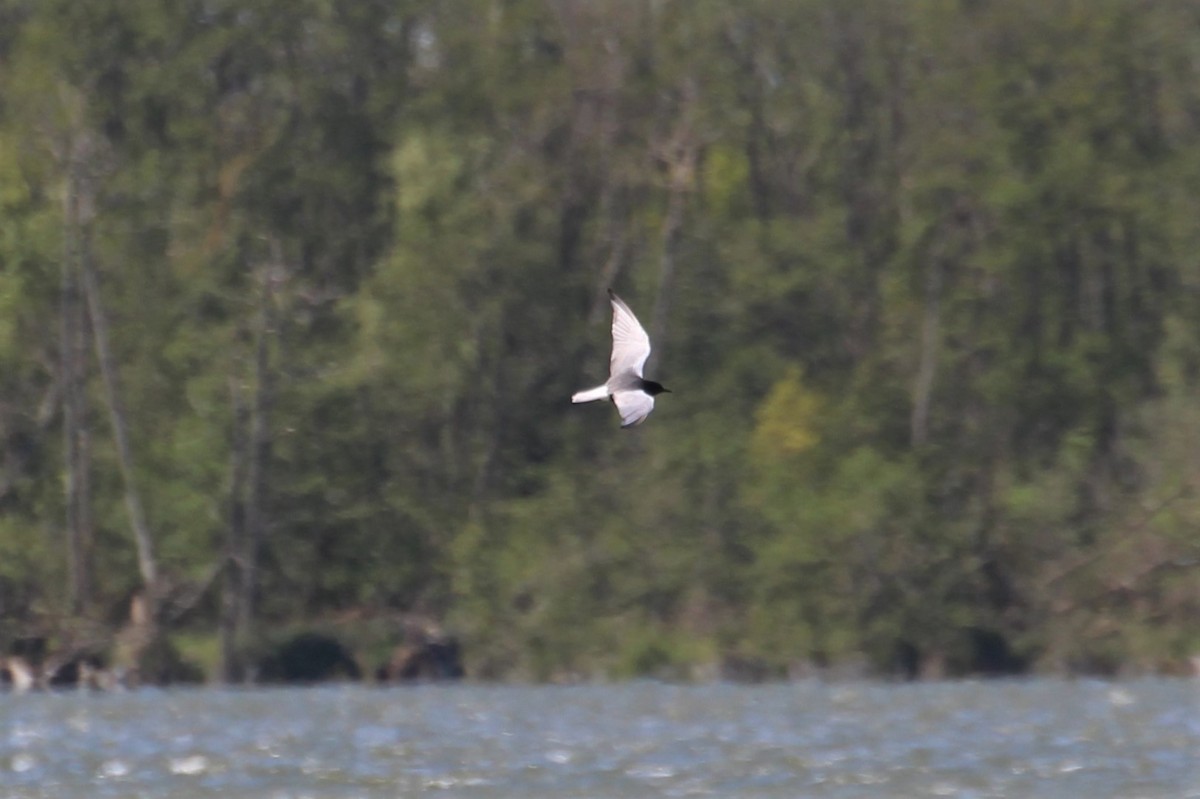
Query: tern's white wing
631	345
634	406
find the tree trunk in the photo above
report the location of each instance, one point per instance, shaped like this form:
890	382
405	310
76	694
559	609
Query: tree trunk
147	565
260	447
231	667
672	230
75	434
681	155
927	365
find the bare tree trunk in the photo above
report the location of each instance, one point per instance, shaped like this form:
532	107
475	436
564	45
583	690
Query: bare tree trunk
618	254
681	155
147	565
75	434
231	667
927	365
672	230
260	446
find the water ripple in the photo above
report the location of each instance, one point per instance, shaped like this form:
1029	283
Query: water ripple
1038	739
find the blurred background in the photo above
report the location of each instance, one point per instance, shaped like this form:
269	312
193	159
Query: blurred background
294	295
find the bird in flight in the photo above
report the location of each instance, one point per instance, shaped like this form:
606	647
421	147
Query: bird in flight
632	395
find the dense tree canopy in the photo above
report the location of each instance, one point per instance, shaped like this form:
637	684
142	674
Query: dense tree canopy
293	297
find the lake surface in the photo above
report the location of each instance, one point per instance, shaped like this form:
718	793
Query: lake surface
1026	739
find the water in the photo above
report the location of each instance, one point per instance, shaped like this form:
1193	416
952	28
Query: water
1025	739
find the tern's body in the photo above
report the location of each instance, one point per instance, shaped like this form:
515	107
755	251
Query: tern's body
632	395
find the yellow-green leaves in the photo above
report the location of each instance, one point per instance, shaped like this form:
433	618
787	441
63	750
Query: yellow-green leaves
786	422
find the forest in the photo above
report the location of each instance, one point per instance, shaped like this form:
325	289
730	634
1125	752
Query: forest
294	296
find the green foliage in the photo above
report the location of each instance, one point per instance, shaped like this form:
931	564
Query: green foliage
921	277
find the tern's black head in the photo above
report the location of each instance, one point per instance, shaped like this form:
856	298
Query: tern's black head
654	389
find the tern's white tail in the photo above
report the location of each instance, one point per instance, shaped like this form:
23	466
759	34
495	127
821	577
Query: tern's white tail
591	394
